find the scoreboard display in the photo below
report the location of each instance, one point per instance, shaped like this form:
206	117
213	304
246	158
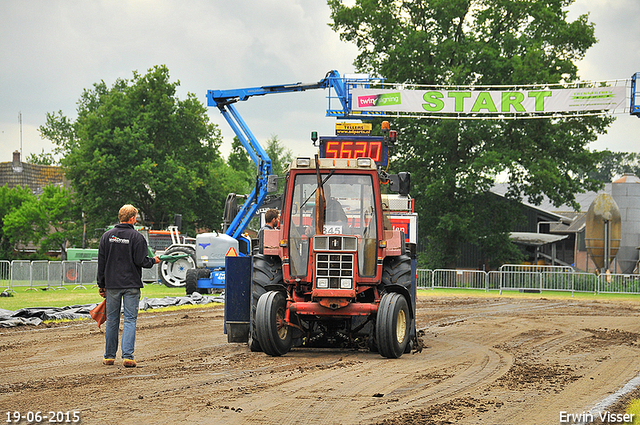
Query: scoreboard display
352	147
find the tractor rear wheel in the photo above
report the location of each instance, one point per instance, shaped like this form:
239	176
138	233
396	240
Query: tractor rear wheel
174	274
272	331
397	271
393	325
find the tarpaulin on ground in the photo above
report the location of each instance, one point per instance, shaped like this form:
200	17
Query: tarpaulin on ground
36	315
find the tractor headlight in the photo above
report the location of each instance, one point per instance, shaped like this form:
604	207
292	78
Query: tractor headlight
303	162
345	284
322	282
364	162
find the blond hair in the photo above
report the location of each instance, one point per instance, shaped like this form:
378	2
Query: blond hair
126	212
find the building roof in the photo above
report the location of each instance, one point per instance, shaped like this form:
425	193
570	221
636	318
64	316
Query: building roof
583	199
35	176
535	239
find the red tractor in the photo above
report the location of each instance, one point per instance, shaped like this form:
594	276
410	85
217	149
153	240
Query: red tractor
336	273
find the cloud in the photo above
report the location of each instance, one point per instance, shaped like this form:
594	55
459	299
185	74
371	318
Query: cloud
52	50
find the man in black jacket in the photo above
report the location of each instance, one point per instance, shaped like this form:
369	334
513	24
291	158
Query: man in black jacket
121	255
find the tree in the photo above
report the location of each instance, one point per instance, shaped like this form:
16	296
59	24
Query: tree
43	158
62	218
481	42
240	162
613	164
48	221
238	158
280	157
10	200
136	142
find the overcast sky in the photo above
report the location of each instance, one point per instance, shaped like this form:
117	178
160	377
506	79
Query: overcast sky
50	50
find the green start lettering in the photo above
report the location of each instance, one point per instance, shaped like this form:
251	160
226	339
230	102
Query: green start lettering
510	101
484	101
514	99
434	101
540	95
459	96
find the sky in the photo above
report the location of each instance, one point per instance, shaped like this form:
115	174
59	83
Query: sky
51	50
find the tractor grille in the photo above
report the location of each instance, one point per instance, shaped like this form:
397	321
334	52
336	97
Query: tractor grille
334	267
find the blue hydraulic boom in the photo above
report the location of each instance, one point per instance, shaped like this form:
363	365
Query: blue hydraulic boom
212	249
224	100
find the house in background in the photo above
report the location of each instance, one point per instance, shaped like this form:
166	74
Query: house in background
531	234
556	235
35	176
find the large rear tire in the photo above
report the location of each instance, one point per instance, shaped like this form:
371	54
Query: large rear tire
174	274
267	271
272	331
393	325
397	271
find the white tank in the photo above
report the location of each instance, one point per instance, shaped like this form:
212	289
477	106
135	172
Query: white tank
212	248
626	193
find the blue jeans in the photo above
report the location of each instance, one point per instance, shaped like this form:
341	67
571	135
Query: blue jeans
116	299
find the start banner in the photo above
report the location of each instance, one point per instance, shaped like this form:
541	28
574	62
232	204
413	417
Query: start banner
509	102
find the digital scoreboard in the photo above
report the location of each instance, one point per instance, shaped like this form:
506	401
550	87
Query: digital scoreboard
352	147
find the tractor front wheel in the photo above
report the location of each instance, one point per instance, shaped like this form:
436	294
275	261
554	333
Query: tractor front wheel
392	325
267	271
272	331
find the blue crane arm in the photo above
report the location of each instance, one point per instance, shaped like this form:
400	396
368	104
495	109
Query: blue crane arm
224	100
221	98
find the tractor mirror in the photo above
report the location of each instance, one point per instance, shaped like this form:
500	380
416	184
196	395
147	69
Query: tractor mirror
400	183
177	221
272	183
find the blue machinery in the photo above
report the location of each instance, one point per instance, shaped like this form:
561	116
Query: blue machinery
224	100
211	248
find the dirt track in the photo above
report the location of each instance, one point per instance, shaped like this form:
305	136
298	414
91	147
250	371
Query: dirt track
487	360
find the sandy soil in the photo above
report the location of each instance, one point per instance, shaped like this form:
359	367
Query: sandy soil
486	360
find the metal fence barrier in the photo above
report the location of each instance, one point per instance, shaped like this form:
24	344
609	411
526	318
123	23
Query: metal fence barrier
470	279
424	278
529	279
47	274
56	275
5	275
619	284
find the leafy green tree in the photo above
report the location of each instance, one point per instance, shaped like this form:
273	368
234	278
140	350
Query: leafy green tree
62	218
238	158
280	158
48	221
136	142
480	42
613	164
43	158
242	165
10	201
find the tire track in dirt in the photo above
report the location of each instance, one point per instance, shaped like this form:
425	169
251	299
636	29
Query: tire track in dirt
486	360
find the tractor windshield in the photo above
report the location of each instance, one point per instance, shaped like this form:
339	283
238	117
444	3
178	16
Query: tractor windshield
350	210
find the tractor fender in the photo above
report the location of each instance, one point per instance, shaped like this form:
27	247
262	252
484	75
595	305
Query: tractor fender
275	287
402	291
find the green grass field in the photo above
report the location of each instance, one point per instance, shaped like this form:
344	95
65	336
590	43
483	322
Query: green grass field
22	297
545	294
